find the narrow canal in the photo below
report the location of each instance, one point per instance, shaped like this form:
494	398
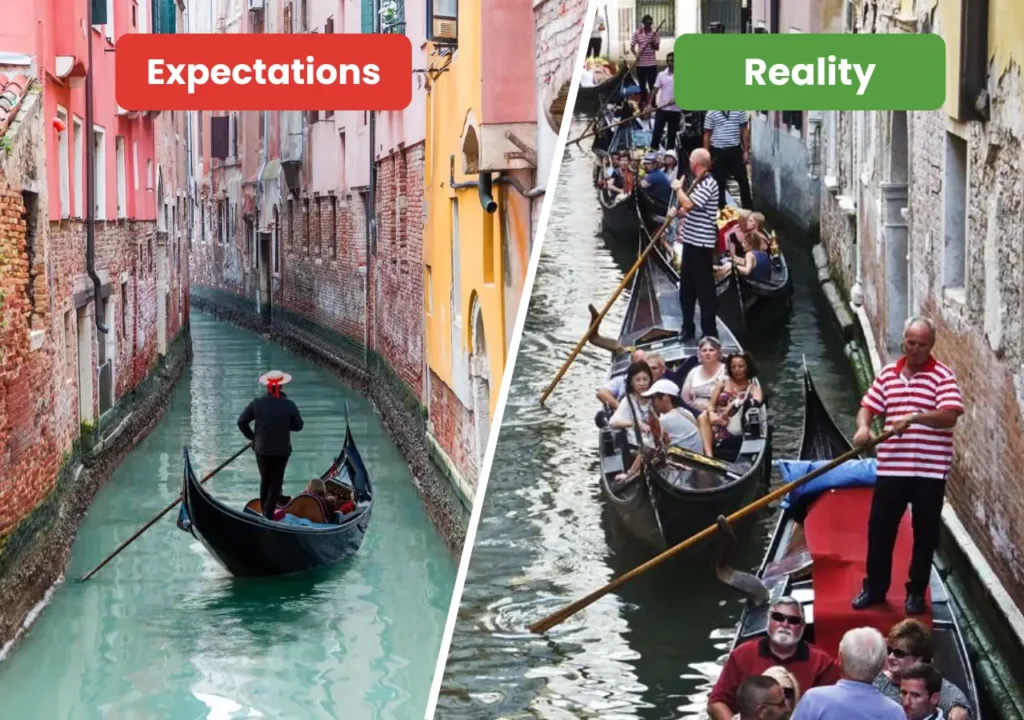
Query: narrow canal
653	649
163	631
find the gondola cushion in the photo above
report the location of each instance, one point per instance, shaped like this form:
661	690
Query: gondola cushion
852	473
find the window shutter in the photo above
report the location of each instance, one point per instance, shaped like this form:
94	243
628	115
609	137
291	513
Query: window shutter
219	132
156	18
170	10
329	27
367	15
99	12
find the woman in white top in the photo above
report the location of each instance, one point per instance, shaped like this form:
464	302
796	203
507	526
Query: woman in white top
701	381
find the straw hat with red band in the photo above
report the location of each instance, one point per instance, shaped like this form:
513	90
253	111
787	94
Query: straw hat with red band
275	379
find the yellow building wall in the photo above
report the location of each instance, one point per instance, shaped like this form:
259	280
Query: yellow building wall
453	98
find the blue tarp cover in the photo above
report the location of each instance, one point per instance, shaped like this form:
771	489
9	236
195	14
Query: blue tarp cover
292	520
852	473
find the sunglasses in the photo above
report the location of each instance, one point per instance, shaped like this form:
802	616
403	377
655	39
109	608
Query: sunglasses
789	619
897	653
789	692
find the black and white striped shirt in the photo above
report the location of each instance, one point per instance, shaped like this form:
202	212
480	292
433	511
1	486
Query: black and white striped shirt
698	226
726	127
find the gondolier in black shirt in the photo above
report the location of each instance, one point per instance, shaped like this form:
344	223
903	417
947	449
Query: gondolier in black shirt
727	138
276	418
698	233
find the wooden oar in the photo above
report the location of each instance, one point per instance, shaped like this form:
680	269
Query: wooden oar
613	125
622	79
163	512
562	615
597	321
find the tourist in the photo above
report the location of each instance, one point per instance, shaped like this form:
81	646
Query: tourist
909	644
667	115
788	682
727	138
644	45
783	645
861	655
698	232
276	417
702	380
921	401
638	380
655	181
920	692
761	698
731	394
594	46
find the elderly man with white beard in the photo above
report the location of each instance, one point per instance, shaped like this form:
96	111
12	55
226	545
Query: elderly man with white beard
783	645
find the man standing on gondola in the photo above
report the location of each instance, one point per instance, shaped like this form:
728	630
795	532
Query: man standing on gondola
921	401
276	418
644	45
698	233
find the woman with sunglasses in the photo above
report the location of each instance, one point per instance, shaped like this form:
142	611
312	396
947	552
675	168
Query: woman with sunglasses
790	686
731	392
910	643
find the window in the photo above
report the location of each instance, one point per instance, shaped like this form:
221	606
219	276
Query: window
442	21
366	16
329	30
221	222
135	16
110	20
202	223
64	163
135	164
662	11
392	16
220	136
99	138
164	16
143	16
149	174
122	180
305	207
79	152
234	135
430	290
954	259
291	223
794	121
275	248
124	309
333	231
455	300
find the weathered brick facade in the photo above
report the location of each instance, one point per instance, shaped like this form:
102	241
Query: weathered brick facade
906	267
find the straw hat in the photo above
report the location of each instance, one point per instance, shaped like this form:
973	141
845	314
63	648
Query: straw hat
282	377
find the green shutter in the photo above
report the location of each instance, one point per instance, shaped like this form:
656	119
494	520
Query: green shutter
154	16
170	10
367	14
99	12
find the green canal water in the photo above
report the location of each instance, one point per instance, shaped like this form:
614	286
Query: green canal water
164	632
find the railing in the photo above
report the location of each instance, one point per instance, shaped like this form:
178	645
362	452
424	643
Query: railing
663	12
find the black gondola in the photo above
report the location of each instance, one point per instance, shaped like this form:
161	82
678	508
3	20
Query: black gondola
807	540
744	302
620	215
590	98
672	501
249	545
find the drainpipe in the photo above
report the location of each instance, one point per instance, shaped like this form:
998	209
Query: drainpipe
857	291
90	182
371	219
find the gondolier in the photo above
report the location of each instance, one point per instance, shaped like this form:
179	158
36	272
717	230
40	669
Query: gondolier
276	418
698	233
920	399
666	117
727	138
644	45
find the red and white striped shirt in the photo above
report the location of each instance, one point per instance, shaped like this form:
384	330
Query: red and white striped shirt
921	451
647	44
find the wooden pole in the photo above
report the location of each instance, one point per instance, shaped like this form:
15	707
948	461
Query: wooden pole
597	321
565	613
163	512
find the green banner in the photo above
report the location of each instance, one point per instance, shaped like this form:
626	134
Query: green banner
810	72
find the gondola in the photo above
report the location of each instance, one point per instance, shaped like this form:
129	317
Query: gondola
672	501
620	215
816	556
249	545
594	96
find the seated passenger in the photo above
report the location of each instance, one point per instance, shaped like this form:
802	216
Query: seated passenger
910	643
921	693
783	645
655	182
670	165
731	393
755	263
790	685
638	380
679	428
317	487
701	381
615	389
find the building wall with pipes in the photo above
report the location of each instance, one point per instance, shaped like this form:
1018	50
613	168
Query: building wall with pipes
921	214
65	387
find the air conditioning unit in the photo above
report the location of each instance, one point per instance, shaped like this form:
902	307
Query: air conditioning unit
255	4
445	29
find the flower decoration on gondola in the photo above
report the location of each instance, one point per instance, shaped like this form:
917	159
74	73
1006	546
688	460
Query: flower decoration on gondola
728	220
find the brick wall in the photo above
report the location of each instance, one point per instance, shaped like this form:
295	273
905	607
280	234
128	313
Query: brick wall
558	27
398	266
453	427
980	327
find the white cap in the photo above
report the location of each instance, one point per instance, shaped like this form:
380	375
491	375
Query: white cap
664	387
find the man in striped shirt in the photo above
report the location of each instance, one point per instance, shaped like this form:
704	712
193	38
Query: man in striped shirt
698	233
644	45
921	401
727	138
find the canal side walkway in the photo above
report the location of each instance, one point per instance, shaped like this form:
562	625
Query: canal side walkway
402	416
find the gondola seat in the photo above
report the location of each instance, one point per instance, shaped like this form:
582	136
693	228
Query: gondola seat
303	505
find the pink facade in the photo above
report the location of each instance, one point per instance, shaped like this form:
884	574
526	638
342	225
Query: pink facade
407	127
508	92
51	33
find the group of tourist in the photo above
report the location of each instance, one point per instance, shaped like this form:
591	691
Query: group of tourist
782	675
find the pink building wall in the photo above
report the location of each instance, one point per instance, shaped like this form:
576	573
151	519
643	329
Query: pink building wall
508	87
46	30
408	126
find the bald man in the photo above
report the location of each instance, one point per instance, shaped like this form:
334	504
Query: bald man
698	233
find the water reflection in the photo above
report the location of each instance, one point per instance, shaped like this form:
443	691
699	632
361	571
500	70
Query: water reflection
650	650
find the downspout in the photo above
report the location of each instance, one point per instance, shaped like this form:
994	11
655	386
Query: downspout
371	217
90	183
485	184
857	291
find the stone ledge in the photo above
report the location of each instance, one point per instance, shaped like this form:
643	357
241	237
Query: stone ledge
463	489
